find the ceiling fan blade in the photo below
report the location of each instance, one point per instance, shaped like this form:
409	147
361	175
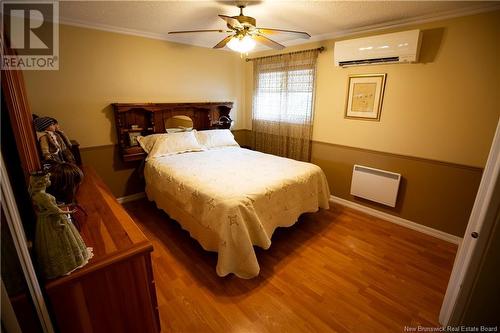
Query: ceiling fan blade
268	31
223	42
268	42
232	22
191	31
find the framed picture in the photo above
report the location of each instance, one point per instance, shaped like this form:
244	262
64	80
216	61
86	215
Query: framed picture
132	136
364	96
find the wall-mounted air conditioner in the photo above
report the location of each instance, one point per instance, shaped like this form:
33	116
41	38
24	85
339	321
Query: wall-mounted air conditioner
399	47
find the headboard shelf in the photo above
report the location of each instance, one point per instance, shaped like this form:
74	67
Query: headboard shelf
133	119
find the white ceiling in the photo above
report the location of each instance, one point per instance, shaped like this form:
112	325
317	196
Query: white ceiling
321	19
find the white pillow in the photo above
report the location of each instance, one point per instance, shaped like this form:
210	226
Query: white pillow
178	129
216	138
147	142
174	143
173	130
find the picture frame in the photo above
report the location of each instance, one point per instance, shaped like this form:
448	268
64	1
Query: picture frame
132	137
365	94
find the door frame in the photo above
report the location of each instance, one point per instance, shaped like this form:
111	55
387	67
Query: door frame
13	218
471	250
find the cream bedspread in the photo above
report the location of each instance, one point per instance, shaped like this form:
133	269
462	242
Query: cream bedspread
230	199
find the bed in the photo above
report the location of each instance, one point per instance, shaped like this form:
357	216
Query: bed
228	198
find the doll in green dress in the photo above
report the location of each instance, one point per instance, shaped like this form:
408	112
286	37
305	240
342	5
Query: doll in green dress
59	247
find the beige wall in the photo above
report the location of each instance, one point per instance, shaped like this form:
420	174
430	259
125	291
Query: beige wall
444	108
121	178
436	194
436	126
98	68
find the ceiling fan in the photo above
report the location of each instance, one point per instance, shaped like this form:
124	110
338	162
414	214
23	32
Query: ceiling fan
245	33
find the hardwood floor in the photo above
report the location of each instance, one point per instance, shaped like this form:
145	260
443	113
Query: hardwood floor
336	270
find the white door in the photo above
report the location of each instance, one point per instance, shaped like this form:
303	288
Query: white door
471	249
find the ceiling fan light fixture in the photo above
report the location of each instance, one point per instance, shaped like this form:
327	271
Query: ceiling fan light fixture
245	33
241	44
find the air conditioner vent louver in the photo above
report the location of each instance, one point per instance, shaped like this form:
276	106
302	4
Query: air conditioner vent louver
368	61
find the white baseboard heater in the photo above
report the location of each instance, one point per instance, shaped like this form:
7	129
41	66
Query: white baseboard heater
376	185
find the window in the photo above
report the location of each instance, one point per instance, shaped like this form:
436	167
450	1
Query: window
283	107
284	96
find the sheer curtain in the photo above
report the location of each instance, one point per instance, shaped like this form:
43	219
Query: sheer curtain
283	104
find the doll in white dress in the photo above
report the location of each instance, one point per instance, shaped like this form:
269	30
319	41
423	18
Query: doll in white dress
59	247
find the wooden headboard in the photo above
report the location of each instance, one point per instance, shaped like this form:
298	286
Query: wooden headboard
149	118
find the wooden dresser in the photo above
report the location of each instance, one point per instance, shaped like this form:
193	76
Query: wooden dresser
115	291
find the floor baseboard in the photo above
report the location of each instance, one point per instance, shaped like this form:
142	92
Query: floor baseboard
370	211
132	197
398	220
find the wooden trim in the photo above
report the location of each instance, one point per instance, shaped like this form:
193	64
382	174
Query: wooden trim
409	157
398	220
132	197
16	99
115	258
152	292
158	107
90	148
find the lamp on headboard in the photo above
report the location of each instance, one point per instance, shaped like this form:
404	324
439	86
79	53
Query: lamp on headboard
224	122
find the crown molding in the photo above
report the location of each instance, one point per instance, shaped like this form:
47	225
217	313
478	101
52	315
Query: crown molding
333	35
110	28
125	31
401	23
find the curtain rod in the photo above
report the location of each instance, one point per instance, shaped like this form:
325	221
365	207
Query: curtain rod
320	49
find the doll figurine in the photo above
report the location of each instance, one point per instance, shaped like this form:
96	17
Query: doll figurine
54	144
65	178
62	135
59	247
